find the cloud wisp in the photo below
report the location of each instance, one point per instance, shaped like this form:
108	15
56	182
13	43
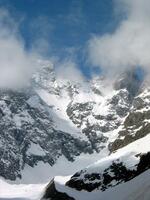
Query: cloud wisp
67	70
16	64
129	45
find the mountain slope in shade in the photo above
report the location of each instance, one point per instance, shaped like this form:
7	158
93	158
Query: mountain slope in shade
28	135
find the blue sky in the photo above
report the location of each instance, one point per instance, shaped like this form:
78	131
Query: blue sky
65	25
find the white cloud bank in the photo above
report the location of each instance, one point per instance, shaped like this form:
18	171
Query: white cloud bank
68	71
15	63
129	45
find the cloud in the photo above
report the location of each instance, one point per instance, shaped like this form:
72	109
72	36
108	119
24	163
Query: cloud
129	45
67	70
16	64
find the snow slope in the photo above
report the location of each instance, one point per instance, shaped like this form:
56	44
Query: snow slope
137	188
20	192
43	172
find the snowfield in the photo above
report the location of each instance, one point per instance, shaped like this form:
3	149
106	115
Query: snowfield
43	172
21	191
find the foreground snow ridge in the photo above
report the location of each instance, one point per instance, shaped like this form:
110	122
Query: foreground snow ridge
136	189
134	183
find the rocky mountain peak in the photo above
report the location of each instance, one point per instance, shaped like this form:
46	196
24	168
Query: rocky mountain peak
55	120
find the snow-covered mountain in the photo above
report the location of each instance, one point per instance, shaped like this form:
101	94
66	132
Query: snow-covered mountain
58	126
57	119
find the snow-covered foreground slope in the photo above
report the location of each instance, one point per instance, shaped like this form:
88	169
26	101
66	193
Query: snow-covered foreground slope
136	189
122	175
20	192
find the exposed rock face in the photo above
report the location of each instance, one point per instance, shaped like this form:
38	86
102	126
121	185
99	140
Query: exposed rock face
136	124
52	194
28	136
96	120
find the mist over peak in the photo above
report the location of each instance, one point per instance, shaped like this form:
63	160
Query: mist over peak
128	46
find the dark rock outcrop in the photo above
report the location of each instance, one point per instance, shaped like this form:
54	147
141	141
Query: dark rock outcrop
52	194
136	124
